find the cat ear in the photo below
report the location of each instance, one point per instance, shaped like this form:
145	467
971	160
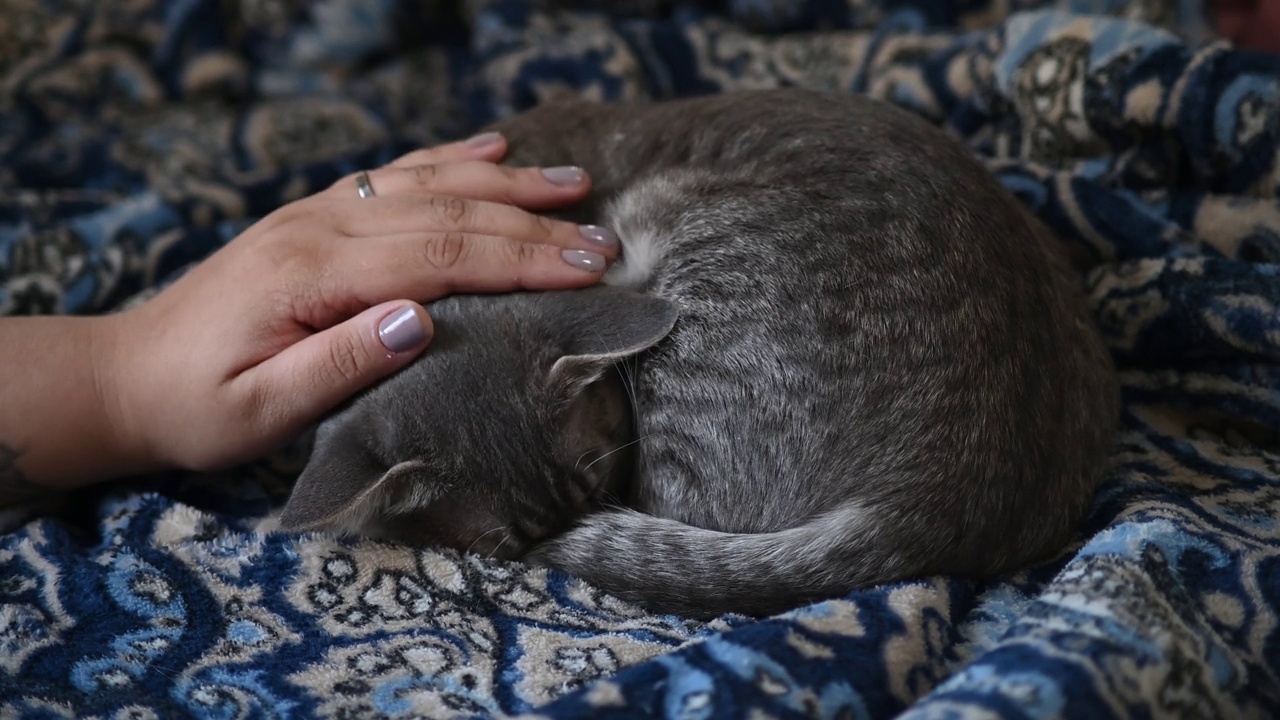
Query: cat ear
606	325
339	480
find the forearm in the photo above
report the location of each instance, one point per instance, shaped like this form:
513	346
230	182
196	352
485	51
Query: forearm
56	424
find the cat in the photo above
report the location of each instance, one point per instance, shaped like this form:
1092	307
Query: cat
834	353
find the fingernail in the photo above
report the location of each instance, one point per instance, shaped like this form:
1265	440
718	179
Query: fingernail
583	259
565	176
603	237
401	330
483	140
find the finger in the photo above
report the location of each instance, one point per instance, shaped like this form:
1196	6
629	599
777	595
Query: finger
485	146
313	376
426	266
540	188
1232	18
384	215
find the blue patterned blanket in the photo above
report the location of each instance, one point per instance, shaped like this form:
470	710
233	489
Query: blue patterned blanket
136	136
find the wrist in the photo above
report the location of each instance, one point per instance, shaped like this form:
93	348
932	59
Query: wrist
59	424
114	367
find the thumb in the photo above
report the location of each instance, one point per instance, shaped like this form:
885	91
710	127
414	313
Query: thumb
311	377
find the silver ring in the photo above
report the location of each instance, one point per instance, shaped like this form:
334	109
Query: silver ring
362	184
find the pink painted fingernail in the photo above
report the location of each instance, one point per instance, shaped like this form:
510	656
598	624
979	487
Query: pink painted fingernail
563	176
604	237
584	259
401	330
483	140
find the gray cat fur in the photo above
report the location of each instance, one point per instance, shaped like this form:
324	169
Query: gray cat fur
879	366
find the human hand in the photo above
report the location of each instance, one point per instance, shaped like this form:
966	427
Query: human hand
1249	24
321	298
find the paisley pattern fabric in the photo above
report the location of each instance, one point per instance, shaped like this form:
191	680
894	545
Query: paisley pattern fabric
137	136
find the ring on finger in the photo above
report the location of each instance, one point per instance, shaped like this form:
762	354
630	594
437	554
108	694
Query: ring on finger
363	186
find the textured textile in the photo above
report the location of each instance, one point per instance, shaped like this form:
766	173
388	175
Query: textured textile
136	136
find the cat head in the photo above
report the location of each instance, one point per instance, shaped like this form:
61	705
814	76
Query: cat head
511	424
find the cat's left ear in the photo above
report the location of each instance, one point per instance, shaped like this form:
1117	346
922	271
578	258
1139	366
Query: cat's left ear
605	325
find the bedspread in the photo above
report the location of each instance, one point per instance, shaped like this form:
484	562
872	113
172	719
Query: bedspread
137	136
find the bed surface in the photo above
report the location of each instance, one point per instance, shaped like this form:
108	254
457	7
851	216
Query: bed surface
137	137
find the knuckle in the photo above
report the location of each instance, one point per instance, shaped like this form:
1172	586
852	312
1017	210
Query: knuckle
445	250
346	361
318	298
300	261
450	210
517	181
298	278
527	253
343	189
281	254
317	218
276	223
426	175
544	227
256	402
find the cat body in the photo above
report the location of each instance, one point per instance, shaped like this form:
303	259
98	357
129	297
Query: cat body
834	352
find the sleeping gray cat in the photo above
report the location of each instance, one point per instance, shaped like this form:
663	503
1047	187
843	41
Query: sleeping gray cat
834	352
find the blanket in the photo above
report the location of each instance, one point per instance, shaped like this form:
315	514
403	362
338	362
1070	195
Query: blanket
138	136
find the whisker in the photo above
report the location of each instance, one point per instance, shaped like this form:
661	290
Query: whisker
482	536
579	460
627	372
620	447
499	546
602	342
624	371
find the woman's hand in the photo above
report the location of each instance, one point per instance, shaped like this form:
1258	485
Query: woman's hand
321	299
1250	24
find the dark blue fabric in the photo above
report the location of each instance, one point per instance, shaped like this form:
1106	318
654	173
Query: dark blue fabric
138	137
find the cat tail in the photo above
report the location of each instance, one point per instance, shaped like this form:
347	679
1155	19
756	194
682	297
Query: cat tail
667	566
